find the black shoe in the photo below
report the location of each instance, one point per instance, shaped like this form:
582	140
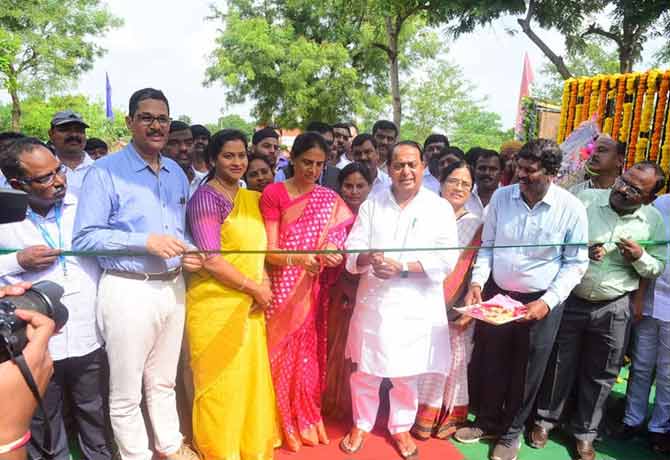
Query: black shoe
625	432
659	442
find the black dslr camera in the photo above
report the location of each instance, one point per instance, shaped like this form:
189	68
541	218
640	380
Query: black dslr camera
43	297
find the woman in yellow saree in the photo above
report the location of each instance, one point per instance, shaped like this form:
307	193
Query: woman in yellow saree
234	413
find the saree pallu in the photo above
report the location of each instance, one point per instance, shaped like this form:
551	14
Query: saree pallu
296	318
234	413
433	419
341	299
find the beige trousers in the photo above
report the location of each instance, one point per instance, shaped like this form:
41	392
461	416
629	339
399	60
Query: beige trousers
143	324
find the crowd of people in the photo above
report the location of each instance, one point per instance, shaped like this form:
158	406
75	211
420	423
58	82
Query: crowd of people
226	298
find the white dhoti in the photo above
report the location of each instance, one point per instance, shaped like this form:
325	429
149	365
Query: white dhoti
403	399
399	327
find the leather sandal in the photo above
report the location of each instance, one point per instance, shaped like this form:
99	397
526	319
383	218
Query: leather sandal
347	448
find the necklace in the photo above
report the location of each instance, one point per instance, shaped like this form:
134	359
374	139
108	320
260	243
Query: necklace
224	190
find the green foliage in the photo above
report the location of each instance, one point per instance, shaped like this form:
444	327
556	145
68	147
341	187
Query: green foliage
232	122
46	44
38	113
529	122
594	57
438	97
291	78
185	119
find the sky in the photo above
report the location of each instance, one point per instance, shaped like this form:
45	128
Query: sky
166	44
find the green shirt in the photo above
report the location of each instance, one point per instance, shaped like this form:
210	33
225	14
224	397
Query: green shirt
613	276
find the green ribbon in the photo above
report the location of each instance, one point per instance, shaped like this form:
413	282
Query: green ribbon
123	253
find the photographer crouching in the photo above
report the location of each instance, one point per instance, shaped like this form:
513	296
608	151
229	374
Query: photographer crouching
79	361
17	402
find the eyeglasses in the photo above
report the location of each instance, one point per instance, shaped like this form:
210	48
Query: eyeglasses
630	190
47	179
452	181
147	119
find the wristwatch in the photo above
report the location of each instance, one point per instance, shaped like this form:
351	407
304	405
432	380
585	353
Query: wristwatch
404	270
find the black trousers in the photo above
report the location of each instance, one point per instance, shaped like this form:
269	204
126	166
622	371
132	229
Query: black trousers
510	362
84	382
587	357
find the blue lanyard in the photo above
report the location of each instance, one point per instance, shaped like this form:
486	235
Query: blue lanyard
45	233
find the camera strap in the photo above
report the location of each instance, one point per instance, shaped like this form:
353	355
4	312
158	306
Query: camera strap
46	448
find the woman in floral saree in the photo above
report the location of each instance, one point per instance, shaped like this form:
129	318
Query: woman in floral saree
301	215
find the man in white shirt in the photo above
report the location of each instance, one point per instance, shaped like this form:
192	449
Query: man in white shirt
399	329
342	144
510	360
651	351
385	133
200	165
68	136
432	146
364	151
80	363
488	170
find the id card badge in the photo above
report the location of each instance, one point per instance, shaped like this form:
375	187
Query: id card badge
71	284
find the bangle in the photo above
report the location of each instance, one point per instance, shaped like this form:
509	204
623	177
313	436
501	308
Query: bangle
243	285
14	445
288	260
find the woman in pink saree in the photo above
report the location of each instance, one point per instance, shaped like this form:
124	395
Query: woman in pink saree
301	215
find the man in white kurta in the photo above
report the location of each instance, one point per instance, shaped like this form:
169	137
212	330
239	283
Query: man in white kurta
399	328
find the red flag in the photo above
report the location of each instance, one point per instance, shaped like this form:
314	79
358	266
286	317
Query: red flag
527	78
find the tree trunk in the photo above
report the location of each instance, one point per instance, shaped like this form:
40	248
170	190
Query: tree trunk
553	57
16	108
625	59
392	36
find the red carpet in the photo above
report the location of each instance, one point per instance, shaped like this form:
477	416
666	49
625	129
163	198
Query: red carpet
378	446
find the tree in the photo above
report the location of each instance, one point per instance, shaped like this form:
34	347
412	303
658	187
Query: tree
38	114
185	119
593	58
232	122
302	60
439	98
627	23
292	78
45	44
632	23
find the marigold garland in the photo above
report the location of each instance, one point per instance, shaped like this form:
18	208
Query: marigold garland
580	103
565	99
635	130
602	101
633	108
618	107
665	150
660	113
586	101
594	96
571	108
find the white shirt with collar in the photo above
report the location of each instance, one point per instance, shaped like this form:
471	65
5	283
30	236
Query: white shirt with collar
381	183
343	162
657	299
198	176
430	182
559	217
80	335
75	177
399	326
475	205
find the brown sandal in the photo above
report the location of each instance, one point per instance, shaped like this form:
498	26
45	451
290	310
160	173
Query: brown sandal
347	448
